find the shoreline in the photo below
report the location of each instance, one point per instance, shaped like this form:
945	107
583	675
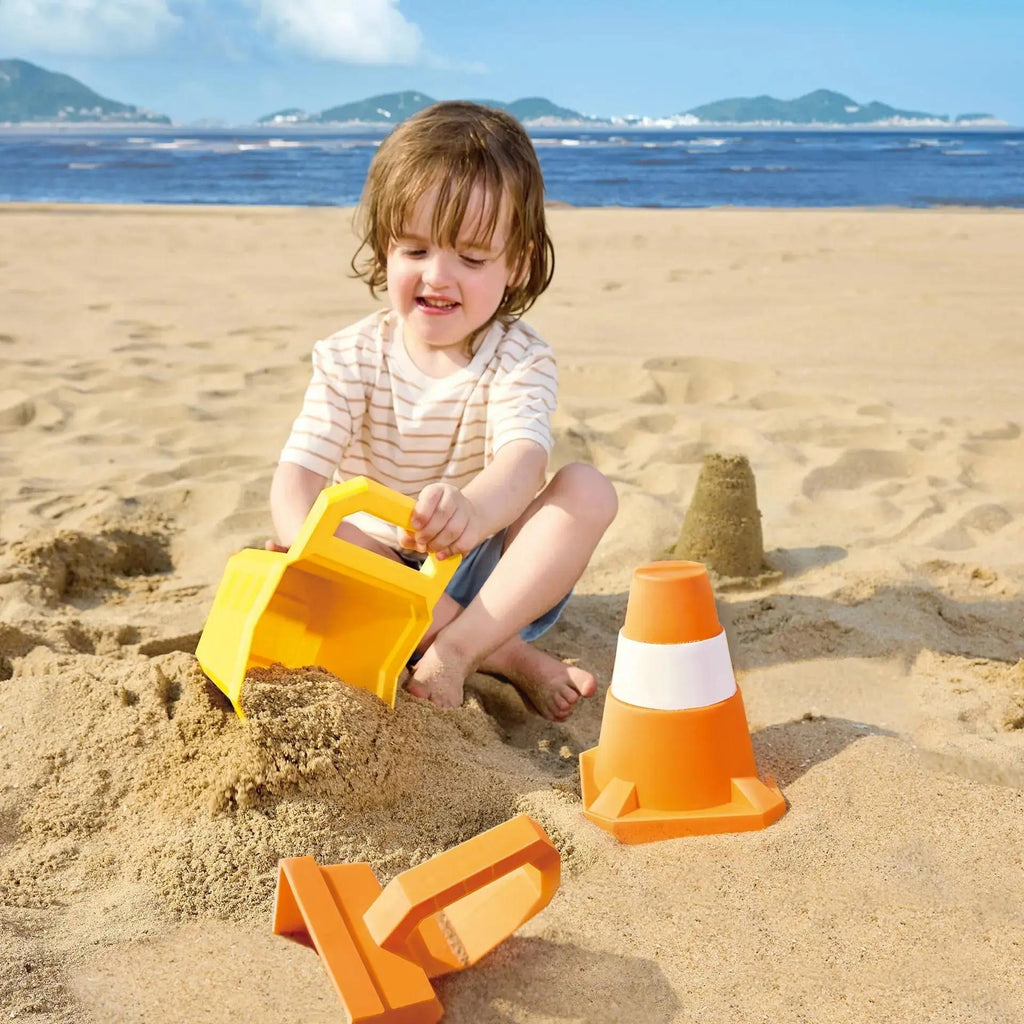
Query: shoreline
550	205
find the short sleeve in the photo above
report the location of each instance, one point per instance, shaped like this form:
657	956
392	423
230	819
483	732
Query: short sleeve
334	400
523	395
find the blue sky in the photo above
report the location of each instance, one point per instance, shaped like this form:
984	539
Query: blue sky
238	59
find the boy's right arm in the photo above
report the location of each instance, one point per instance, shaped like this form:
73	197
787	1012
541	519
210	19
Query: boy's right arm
292	493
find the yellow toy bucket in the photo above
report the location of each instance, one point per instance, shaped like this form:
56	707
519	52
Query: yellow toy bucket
325	601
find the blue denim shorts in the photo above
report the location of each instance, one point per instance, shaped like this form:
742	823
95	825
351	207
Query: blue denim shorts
472	573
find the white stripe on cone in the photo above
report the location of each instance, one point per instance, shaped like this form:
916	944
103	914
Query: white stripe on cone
673	677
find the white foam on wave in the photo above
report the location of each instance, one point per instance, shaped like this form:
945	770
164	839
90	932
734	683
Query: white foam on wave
769	169
563	142
284	144
83	167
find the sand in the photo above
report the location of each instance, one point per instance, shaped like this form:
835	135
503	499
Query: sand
866	364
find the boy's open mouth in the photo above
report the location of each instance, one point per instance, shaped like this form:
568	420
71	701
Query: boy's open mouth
428	302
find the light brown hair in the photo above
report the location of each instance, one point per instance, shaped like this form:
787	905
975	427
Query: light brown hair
453	147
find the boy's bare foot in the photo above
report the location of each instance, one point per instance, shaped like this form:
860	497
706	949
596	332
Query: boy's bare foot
439	677
548	685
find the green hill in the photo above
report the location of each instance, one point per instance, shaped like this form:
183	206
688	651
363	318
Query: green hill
536	108
819	107
392	107
388	108
31	93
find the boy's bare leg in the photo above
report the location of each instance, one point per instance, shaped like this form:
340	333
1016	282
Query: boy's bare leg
546	551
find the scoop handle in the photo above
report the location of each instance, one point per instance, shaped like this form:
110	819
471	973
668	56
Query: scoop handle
485	888
360	494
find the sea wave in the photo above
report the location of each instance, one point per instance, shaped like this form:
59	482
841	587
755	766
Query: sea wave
770	169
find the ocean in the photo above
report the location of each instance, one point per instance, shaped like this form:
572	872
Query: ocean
306	166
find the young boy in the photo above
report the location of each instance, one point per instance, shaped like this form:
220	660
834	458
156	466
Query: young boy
447	397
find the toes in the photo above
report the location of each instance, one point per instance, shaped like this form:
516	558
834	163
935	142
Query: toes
584	683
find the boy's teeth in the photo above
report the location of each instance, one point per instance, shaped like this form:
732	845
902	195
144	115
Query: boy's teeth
439	303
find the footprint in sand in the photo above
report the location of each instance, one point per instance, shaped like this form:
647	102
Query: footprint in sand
986	519
857	468
207	467
694	380
16	409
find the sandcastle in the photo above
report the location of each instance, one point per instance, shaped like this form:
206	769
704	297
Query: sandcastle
722	527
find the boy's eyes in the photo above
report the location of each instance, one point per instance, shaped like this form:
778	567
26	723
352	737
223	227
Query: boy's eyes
472	261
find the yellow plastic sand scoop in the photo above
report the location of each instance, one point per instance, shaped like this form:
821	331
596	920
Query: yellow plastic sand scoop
325	601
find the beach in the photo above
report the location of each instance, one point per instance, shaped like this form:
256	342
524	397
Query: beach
866	362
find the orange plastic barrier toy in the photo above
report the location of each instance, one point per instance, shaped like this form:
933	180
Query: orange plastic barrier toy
381	948
324	601
674	757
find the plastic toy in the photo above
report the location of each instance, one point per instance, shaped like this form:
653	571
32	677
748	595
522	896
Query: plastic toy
381	948
324	602
674	757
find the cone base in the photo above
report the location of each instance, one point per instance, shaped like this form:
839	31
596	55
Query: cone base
753	805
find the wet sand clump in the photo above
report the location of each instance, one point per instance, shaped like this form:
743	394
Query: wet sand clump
722	528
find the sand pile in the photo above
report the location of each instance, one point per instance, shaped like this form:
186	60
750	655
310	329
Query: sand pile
176	794
722	527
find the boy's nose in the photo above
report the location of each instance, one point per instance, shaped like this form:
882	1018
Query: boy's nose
437	270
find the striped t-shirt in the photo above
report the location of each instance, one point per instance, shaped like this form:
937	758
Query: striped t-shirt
370	411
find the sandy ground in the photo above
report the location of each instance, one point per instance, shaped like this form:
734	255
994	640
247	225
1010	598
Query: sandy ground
869	365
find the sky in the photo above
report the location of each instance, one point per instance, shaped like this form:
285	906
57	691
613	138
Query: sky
236	60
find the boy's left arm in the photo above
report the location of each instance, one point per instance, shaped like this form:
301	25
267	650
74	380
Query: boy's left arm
501	491
449	521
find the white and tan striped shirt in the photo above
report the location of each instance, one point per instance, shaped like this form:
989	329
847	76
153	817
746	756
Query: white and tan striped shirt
370	411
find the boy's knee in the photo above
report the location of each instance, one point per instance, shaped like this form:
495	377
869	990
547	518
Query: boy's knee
591	492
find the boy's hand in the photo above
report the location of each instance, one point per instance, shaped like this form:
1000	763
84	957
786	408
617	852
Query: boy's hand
444	522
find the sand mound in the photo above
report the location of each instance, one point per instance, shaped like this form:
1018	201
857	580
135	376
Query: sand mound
180	797
722	528
74	564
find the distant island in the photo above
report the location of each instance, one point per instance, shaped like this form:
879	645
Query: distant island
392	107
31	94
822	108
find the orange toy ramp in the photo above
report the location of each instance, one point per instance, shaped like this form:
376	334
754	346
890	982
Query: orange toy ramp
381	948
674	757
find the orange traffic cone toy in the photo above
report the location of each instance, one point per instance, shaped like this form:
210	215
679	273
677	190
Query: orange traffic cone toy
674	757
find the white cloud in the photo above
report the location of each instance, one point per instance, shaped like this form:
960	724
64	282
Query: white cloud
85	27
354	31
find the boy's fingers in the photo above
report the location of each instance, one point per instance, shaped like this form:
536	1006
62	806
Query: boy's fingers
453	529
426	505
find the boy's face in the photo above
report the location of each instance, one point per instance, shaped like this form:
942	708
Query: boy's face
444	295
